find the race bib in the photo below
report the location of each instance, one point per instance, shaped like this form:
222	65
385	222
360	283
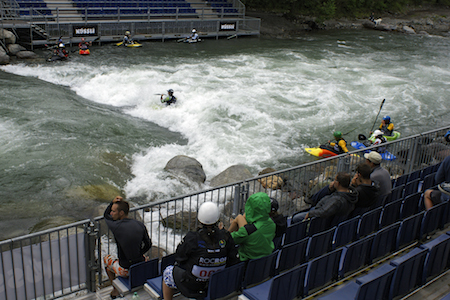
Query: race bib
205	272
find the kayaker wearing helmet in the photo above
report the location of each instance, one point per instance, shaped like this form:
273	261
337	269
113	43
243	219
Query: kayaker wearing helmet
379	139
386	126
61	51
194	35
83	45
340	146
127	40
170	99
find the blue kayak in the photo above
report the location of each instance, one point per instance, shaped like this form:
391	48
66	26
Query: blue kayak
386	155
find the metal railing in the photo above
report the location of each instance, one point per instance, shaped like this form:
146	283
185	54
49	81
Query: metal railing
66	259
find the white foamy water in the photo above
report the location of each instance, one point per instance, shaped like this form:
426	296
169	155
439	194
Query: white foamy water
258	102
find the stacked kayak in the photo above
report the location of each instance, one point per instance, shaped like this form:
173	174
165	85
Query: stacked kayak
386	155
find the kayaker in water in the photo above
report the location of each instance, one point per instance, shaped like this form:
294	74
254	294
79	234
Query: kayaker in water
386	126
379	139
83	45
339	146
61	51
170	99
127	40
194	35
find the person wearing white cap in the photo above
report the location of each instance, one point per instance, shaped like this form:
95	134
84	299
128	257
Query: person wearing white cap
373	159
200	254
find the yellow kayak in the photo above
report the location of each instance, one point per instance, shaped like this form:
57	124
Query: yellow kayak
133	45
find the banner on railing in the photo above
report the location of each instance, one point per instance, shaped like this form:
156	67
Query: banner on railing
227	26
85	30
47	268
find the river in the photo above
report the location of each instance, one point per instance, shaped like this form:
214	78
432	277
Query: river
97	120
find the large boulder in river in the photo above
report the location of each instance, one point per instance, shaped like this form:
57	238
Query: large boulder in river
26	55
9	37
186	166
4	58
13	49
232	174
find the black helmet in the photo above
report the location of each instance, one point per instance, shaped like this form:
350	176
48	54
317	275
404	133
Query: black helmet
170	91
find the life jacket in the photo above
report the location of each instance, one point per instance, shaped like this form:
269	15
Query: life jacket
83	45
385	129
337	147
378	141
209	255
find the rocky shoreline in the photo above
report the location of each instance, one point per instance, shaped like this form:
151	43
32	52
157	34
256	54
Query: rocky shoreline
425	21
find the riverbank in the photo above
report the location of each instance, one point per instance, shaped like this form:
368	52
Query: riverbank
433	20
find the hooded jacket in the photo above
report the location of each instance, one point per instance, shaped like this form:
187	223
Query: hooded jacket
255	238
368	194
338	203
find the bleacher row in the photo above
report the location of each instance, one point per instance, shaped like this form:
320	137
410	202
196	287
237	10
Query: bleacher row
130	7
312	254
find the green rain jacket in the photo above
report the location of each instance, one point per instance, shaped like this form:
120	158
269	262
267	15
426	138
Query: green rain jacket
255	238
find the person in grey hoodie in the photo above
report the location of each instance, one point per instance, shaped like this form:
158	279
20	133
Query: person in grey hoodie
339	203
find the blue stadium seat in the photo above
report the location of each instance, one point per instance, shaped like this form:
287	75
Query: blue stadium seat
432	219
372	286
401	180
369	222
410	205
426	171
437	256
345	233
286	286
322	270
292	255
140	272
428	182
260	269
295	232
384	241
317	225
320	243
396	193
411	187
415	175
355	255
409	229
408	272
390	213
156	283
225	282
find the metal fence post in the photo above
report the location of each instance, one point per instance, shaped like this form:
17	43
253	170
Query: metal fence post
90	237
240	195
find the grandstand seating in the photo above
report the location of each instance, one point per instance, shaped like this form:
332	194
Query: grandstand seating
320	243
409	229
322	270
410	205
292	255
286	286
384	241
321	254
139	273
369	222
407	272
225	282
391	213
345	232
260	269
374	285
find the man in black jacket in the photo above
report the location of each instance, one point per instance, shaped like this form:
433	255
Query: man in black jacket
340	202
368	190
131	238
